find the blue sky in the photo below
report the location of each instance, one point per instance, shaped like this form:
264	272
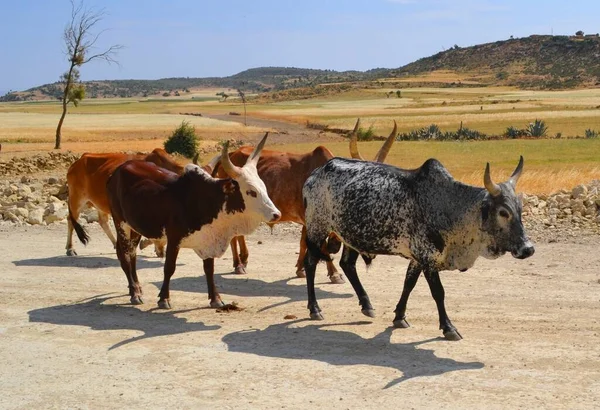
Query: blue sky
180	38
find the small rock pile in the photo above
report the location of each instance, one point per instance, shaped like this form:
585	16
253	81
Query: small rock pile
563	214
36	163
36	202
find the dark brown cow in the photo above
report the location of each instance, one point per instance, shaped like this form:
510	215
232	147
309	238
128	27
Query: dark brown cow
193	210
284	175
86	180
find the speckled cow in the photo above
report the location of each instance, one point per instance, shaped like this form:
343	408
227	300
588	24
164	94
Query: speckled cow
423	215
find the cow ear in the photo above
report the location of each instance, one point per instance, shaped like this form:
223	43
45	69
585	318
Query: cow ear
229	187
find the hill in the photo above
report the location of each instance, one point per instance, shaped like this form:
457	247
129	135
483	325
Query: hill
534	62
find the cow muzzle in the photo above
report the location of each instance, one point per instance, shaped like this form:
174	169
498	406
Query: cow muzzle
275	217
524	251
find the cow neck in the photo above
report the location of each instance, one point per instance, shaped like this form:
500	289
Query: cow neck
203	199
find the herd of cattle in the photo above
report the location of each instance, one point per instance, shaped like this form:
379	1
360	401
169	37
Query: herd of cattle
371	208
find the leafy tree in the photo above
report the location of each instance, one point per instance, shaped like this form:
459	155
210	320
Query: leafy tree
579	33
183	140
79	42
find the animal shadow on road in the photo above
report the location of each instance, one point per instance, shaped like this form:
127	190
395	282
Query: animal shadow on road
96	315
232	284
89	262
342	348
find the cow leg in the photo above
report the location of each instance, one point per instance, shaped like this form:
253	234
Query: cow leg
301	255
333	246
348	264
103	221
412	275
75	204
238	266
127	257
213	293
169	270
310	267
159	247
437	291
243	250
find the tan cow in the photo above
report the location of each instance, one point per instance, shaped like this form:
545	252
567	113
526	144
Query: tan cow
284	175
86	180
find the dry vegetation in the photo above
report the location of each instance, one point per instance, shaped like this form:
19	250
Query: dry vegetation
551	164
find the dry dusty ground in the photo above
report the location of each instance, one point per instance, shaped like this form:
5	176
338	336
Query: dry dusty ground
69	338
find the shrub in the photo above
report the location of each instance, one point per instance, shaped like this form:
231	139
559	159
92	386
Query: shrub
589	133
365	135
183	140
537	128
513	132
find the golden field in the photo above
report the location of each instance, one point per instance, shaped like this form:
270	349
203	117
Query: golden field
550	164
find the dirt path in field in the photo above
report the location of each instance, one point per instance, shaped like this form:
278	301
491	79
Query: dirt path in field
70	339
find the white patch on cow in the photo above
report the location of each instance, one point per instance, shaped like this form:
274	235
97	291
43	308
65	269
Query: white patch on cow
212	240
195	168
249	181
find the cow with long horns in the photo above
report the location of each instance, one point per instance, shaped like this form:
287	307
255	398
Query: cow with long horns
423	215
193	211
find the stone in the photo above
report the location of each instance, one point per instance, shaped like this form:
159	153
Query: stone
52	180
36	216
22	213
579	191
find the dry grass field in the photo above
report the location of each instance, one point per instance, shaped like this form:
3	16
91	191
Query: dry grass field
551	164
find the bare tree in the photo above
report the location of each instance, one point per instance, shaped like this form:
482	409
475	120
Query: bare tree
243	97
80	43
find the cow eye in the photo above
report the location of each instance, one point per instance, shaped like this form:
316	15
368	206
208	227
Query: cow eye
504	213
253	194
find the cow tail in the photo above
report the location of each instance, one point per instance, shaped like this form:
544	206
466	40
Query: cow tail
79	230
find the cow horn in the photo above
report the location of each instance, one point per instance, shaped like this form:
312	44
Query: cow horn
492	188
515	175
353	145
231	170
195	159
387	145
253	158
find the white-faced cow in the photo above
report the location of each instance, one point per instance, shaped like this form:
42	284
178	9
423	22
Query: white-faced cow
424	215
193	211
284	175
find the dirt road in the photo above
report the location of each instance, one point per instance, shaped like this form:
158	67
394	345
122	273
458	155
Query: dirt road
69	338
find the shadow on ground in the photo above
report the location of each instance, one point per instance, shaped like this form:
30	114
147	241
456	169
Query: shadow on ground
244	287
96	315
88	262
342	348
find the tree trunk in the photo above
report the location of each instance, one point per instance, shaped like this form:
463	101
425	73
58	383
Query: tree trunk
58	128
65	102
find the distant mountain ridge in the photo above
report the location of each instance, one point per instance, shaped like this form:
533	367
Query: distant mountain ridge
534	62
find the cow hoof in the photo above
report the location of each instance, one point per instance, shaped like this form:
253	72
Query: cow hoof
316	316
216	303
300	273
159	254
136	300
401	324
337	279
164	304
368	312
144	243
71	252
240	270
452	335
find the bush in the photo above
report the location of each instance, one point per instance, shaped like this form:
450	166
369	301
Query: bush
589	133
183	140
513	132
537	128
365	135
